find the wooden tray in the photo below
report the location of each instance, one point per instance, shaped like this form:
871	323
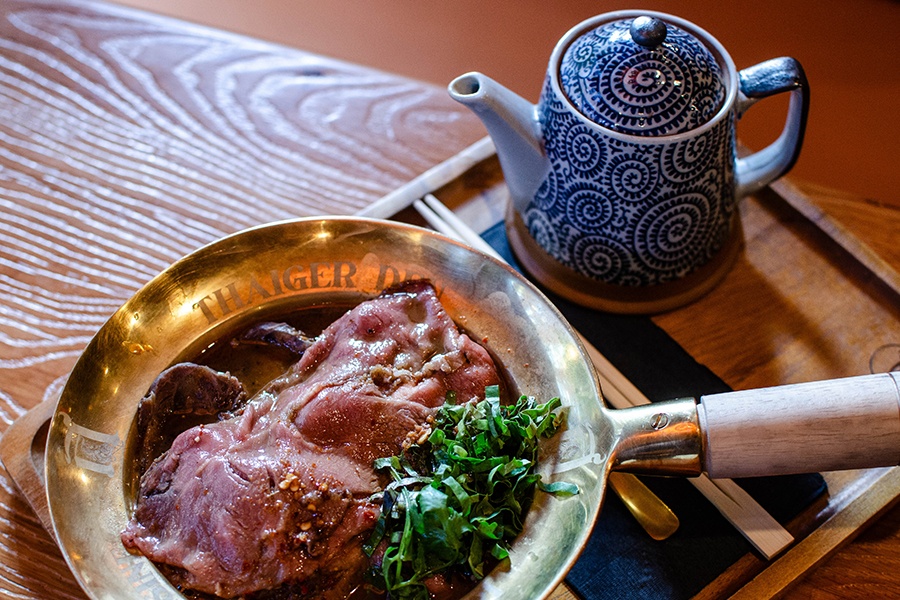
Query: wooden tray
830	300
798	269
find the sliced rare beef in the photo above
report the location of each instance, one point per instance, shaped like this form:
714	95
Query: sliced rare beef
184	389
279	495
275	334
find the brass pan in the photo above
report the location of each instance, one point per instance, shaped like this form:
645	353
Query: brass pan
241	279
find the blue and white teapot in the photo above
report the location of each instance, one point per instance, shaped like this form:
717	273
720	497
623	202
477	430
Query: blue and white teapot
624	179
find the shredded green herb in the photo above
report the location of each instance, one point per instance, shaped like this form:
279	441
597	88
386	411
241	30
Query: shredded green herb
460	498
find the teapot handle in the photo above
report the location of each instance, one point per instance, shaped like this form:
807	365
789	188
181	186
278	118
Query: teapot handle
768	78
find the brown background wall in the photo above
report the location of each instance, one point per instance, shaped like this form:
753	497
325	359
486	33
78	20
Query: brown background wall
848	49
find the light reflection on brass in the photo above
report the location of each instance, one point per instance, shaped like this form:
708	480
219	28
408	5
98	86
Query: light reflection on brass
137	347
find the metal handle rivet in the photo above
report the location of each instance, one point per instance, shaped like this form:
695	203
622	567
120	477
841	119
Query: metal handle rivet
659	421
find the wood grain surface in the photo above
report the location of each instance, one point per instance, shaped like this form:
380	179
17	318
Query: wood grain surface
128	140
127	143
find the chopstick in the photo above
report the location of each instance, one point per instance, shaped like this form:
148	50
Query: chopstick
430	180
732	501
446	222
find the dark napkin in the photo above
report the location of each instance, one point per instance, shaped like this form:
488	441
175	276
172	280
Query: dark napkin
621	560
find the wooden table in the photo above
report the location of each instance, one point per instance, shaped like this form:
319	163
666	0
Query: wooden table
128	140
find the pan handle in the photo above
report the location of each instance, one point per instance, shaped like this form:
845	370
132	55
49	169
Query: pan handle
829	425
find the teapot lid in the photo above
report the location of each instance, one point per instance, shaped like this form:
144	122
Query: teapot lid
642	76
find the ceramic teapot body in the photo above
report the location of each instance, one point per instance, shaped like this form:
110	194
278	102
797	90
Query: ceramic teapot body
624	178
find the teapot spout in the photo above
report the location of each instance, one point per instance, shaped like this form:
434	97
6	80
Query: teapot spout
513	126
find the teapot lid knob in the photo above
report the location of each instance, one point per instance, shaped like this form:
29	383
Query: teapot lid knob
648	32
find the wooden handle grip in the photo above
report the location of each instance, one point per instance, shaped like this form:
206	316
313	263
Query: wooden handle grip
821	426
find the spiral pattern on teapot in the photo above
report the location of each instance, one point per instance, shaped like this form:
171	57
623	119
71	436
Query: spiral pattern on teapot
627	212
585	152
682	161
671	232
587	209
605	257
632	178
